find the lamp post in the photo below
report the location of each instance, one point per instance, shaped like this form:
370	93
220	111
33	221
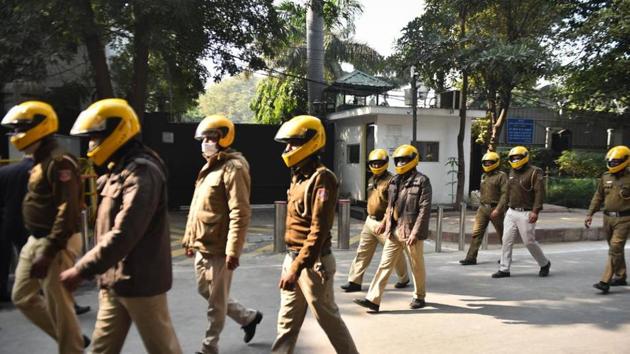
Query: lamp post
414	105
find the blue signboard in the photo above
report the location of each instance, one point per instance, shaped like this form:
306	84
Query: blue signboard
520	131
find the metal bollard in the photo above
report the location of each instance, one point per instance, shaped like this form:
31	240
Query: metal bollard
462	225
279	226
438	229
343	224
85	231
484	243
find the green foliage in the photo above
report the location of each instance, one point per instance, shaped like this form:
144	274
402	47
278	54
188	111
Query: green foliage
570	192
581	164
598	33
278	100
452	164
280	97
231	97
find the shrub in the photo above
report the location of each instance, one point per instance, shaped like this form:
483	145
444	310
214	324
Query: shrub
581	164
570	192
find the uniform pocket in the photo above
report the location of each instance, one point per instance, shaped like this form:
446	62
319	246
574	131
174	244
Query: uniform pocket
209	222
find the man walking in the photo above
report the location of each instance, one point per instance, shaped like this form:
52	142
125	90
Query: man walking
406	227
526	191
133	253
50	212
217	227
309	267
492	204
614	191
378	184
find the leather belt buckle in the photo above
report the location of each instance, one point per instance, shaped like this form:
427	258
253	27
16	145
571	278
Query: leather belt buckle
521	209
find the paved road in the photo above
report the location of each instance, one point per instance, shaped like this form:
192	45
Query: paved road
467	310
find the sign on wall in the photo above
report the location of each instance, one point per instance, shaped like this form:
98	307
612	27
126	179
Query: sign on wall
520	131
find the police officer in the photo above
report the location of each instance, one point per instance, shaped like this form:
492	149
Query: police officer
614	190
133	253
50	210
378	162
492	204
217	227
309	267
526	191
406	227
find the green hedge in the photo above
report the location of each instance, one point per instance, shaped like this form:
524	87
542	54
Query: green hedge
570	192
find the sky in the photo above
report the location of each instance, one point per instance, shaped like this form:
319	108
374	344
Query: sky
382	21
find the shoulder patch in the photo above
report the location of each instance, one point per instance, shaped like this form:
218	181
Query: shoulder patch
64	175
322	194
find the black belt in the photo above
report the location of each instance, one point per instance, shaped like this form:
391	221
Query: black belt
294	254
521	209
374	218
617	213
39	233
491	205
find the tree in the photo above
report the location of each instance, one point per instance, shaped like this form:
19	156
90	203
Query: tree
231	97
290	60
597	79
160	41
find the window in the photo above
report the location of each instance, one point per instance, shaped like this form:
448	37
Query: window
353	153
429	150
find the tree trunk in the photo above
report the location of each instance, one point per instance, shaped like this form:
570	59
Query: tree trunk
504	106
491	112
96	52
138	92
315	53
461	163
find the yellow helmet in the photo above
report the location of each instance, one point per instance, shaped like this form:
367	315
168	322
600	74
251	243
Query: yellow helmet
305	131
114	120
490	161
516	162
405	152
218	122
618	158
378	155
31	122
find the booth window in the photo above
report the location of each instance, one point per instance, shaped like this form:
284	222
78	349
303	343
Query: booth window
353	153
429	151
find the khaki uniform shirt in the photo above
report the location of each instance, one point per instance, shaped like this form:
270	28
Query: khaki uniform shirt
133	250
526	188
311	201
377	195
493	189
614	191
220	212
52	205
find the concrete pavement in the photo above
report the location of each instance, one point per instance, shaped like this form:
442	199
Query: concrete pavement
467	310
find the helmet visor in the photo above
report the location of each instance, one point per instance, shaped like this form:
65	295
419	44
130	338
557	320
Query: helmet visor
403	160
616	162
377	163
516	158
488	163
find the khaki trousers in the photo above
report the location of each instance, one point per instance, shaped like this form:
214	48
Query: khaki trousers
149	314
482	219
315	292
213	282
517	222
53	311
392	251
617	230
367	246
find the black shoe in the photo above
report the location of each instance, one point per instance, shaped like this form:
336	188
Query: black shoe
618	282
250	329
86	341
604	287
468	262
79	310
501	274
401	285
367	304
351	287
417	304
544	271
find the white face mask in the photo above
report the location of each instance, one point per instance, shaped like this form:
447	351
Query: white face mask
209	148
